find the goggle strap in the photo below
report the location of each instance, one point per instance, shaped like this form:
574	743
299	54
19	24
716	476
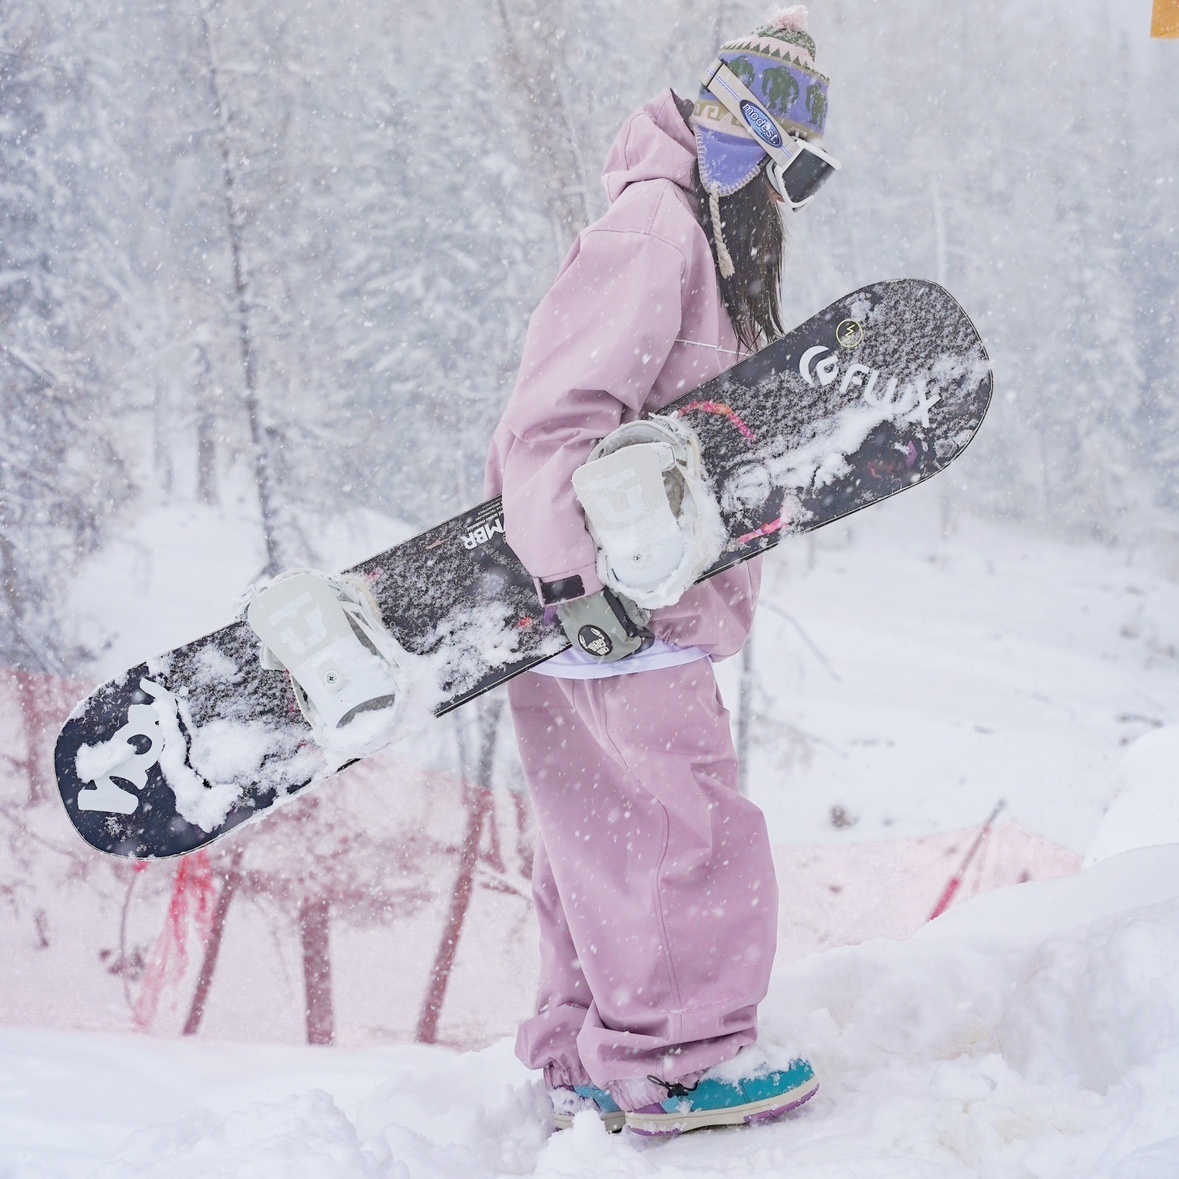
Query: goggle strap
738	92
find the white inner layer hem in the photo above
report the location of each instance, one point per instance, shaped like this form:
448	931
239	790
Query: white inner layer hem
577	665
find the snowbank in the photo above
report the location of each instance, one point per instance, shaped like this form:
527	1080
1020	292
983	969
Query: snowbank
1145	806
1033	1031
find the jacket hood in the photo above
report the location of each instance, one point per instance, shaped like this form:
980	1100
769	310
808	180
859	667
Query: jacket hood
654	144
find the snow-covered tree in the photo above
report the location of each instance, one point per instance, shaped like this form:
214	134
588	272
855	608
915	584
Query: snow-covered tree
60	472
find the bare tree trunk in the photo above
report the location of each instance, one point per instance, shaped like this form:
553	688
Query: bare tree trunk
533	69
523	843
315	933
939	232
200	996
29	703
494	854
490	712
27	696
206	480
161	441
206	432
479	809
259	435
478	802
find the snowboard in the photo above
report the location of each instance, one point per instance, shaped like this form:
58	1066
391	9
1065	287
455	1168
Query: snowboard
874	394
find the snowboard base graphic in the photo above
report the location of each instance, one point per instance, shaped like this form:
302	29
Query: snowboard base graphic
874	394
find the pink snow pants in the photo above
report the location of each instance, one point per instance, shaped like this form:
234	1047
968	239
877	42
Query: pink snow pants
654	885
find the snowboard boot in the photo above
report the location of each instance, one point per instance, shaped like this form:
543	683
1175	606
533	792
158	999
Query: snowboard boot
714	1101
569	1101
345	667
650	510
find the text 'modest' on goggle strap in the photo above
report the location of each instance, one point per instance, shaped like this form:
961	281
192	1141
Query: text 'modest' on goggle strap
797	169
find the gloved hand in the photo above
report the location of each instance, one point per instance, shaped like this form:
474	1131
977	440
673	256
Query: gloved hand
606	625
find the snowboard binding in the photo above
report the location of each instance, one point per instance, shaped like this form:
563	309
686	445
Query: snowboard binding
347	671
650	510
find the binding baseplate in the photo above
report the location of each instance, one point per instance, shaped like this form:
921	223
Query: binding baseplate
650	510
346	669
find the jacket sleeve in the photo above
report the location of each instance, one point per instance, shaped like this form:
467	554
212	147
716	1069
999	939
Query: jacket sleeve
594	348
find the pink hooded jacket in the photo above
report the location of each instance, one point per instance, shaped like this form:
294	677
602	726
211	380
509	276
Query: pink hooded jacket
634	320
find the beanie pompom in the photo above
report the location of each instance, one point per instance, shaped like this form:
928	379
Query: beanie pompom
789	20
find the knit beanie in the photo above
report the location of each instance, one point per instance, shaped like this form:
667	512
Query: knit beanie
777	63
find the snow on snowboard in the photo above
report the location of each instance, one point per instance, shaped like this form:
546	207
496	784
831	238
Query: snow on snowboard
872	395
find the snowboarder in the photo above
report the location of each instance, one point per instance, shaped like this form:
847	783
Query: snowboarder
653	881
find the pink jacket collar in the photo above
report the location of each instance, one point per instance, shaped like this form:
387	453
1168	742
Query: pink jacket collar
654	144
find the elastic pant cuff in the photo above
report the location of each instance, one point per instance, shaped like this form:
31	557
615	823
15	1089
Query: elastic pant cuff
557	1075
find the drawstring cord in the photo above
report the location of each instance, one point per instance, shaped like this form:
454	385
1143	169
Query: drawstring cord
674	1088
701	344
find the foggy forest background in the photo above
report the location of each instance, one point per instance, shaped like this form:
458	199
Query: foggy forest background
283	255
295	246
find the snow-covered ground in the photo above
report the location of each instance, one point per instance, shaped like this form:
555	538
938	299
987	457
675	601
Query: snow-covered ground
904	680
1031	1032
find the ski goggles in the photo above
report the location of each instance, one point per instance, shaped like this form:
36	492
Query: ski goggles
797	169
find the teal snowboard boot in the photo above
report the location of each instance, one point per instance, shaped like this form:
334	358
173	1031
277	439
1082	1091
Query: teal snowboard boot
714	1101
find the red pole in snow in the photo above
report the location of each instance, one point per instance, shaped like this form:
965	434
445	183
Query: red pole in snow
191	905
955	883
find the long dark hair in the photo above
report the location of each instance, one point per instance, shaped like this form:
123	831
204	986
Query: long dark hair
756	240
